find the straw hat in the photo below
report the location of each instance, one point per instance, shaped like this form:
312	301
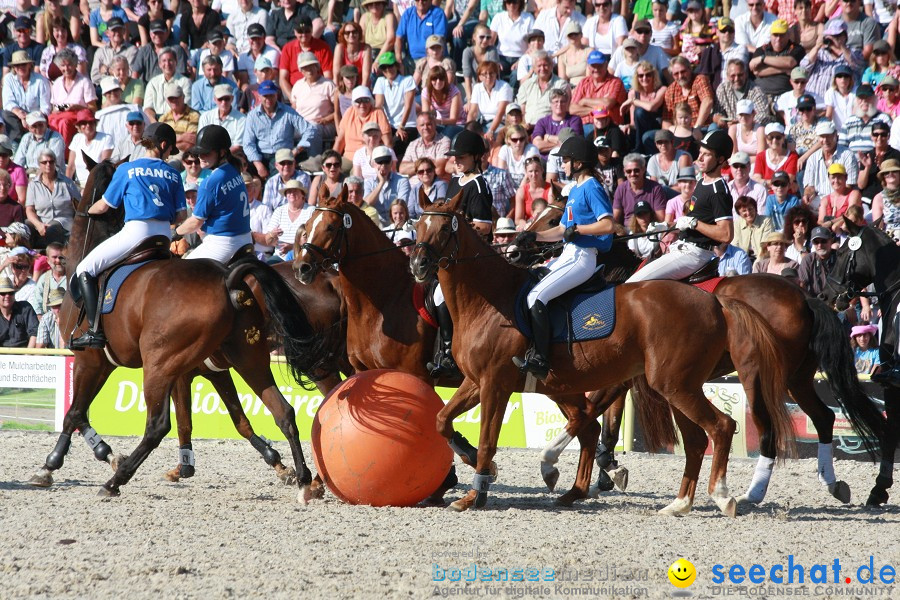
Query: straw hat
775	237
6	285
56	297
293	184
19	57
891	165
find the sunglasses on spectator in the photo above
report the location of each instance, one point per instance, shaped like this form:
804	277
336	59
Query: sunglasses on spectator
484	37
603	4
727	30
2	294
47	162
632	171
332	165
842	75
888	88
739	166
645	75
779	183
876	134
191	161
424	171
642	31
776	136
517	139
821	242
20	267
805	108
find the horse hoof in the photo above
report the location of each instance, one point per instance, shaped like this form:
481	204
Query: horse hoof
745	499
305	495
41	480
569	498
464	503
288	476
550	475
604	482
840	490
174	475
620	477
106	492
435	500
728	506
678	508
877	497
117	460
317	489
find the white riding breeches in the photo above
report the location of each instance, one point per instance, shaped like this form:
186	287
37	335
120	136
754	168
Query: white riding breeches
573	267
682	260
438	295
219	247
116	248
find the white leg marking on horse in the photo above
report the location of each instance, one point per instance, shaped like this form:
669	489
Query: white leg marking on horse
550	454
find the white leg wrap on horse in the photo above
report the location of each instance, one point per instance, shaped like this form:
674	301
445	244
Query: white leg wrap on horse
91	438
760	482
551	453
186	456
826	464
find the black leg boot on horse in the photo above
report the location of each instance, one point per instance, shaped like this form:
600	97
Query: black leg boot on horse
90	293
444	365
535	361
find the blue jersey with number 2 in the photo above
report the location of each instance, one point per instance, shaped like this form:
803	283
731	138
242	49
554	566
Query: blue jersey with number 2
223	204
148	188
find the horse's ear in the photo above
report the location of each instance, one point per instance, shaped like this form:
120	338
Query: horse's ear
852	228
423	198
456	201
342	197
878	222
123	161
88	161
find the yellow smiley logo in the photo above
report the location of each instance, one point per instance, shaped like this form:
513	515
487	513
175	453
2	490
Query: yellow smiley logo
682	573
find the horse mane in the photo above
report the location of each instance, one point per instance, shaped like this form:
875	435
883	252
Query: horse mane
361	219
620	261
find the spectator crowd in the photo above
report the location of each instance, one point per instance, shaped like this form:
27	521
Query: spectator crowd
321	94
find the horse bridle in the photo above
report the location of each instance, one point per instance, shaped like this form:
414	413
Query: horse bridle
329	259
438	255
845	283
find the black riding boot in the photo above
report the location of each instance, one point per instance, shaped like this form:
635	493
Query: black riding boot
90	294
444	365
535	360
890	371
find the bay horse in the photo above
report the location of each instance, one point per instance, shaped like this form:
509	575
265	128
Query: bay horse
384	329
171	317
871	256
336	235
810	335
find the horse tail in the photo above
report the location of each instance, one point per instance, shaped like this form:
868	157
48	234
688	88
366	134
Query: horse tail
752	341
831	345
654	414
308	354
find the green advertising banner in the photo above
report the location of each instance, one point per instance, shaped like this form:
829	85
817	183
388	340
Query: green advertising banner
119	409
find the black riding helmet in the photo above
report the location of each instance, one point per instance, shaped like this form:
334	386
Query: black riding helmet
579	149
719	142
162	134
212	138
466	142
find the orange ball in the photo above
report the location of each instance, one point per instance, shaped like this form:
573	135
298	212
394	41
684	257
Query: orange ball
374	440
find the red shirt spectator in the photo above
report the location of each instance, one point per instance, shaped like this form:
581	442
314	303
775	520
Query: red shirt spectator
292	50
598	90
690	88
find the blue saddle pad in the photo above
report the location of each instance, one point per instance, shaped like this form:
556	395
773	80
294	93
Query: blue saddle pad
593	315
114	283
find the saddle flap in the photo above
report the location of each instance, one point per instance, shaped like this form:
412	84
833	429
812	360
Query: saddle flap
707	271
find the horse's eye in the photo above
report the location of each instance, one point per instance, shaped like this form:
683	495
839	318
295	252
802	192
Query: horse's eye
329	228
554	222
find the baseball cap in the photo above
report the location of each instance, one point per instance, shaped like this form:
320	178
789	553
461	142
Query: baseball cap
843	69
158	25
360	92
835	27
223	90
642	25
881	46
865	91
109	84
215	35
307	59
687	173
889	80
303	24
821	233
35	117
779	27
173	90
349	71
799	73
694	5
780	176
774	128
572	27
134	116
387	59
284	155
597	58
267	88
6	145
191	187
22	23
724	23
642	207
18	229
601	142
745	107
85	116
663	135
837	168
630	43
806	101
534	33
564	134
382	155
256	30
371	126
825	128
434	40
513	106
115	23
262	63
739	158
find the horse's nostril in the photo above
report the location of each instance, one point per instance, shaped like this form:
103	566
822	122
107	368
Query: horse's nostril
305	268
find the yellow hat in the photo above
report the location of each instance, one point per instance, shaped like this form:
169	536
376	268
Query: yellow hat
779	27
837	169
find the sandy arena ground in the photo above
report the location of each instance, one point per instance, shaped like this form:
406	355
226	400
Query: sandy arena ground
235	531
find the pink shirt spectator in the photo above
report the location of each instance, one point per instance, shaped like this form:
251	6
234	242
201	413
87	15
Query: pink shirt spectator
19	178
443	110
674	208
313	102
81	92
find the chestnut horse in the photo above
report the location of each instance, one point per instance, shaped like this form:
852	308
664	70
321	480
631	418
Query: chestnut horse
873	257
171	317
811	337
336	234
